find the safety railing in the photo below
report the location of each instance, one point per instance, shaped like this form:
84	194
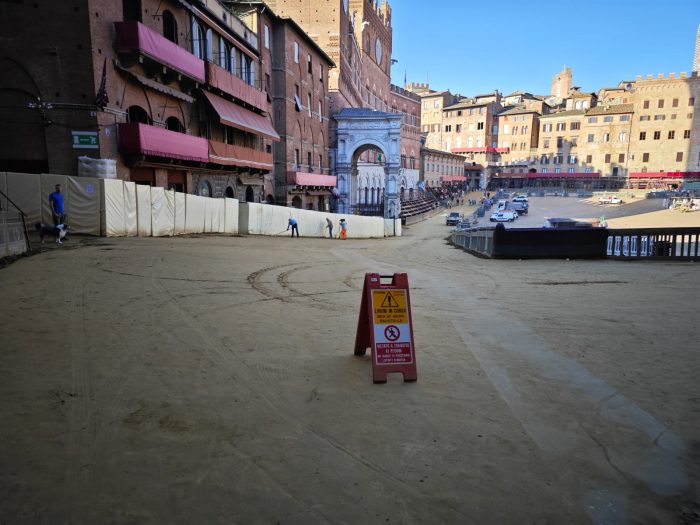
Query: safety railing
654	243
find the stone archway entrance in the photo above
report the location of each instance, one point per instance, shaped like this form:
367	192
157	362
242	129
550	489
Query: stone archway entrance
359	130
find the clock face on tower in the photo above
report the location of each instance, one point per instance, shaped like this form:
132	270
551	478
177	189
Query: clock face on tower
378	51
345	6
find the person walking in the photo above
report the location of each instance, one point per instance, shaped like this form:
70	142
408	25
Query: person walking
343	229
293	225
58	210
329	225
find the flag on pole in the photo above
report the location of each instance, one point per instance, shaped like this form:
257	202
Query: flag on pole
101	99
404	77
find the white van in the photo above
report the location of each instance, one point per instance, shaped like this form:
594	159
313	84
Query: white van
502	204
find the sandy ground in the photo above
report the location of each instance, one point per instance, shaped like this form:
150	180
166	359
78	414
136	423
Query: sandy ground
212	380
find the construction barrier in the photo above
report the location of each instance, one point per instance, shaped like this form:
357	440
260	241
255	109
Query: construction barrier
266	219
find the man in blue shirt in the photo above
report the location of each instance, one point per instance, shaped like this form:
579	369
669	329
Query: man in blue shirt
57	209
293	224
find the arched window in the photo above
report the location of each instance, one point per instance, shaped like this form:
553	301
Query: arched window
204	189
223	53
169	26
233	61
138	114
197	48
208	46
251	73
244	67
250	194
578	104
173	124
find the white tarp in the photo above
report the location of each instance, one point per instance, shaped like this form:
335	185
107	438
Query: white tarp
83	204
162	213
114	215
195	212
266	219
179	213
4	205
130	214
143	210
231	216
25	191
215	215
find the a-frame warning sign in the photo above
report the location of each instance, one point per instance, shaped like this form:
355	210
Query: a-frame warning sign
385	326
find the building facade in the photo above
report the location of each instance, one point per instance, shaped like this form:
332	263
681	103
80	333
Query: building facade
170	91
441	167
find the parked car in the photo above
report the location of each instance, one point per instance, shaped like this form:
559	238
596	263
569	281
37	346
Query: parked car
521	198
504	216
453	219
609	199
517	206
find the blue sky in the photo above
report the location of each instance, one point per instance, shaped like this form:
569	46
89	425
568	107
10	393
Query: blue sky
478	46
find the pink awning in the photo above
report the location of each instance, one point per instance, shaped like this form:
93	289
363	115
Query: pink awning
231	114
142	139
560	175
134	36
236	87
480	150
666	175
234	155
310	179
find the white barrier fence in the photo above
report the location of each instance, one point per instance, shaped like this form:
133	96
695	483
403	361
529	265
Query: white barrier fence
264	219
112	207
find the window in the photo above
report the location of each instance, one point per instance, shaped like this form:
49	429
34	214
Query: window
592	120
320	111
689	115
506	129
544	159
436	103
679	156
479	125
138	114
644	118
686	134
560	142
624	118
606	137
320	72
308	161
674	103
169	26
544	170
646	104
448	127
589	159
308	104
297	159
309	67
458	128
574	142
671	134
173	124
587	170
607	158
557	170
575	126
622	137
572	170
267	82
266	31
515	130
561	126
642	135
659	117
208	45
621	158
661	103
645	157
296	52
608	118
525	129
197	49
657	135
547	127
494	129
545	143
591	137
691	101
571	159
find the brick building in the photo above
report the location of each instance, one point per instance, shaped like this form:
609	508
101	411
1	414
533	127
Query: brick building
295	71
180	104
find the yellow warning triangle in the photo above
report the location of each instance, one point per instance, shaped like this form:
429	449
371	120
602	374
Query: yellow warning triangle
389	301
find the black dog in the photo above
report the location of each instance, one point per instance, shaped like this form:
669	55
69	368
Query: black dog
59	231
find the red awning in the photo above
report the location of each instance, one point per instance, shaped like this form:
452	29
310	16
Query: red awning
310	179
142	139
562	175
241	118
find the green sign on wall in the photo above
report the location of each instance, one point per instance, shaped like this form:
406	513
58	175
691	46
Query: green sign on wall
85	139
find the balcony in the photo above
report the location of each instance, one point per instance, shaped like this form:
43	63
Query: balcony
230	84
143	139
240	156
301	178
134	37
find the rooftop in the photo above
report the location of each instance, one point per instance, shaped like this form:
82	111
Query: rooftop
572	113
612	109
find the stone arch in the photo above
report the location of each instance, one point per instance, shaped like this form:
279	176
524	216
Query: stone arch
360	130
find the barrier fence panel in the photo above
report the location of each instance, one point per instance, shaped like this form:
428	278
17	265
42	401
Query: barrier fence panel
654	243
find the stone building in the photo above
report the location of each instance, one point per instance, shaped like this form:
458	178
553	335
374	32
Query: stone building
519	128
170	91
441	167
